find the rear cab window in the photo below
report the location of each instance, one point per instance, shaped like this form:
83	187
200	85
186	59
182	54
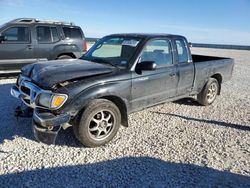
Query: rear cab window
47	34
20	34
72	32
181	51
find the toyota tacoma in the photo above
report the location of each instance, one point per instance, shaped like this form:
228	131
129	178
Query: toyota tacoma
120	74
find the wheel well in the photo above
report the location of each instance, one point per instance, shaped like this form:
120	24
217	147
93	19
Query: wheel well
218	77
122	107
69	54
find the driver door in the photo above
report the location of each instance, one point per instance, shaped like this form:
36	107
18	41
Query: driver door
16	50
155	86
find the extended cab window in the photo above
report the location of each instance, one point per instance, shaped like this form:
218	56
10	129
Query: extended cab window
46	34
17	34
71	32
182	51
159	51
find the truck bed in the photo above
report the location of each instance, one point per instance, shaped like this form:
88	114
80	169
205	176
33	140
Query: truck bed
201	58
211	66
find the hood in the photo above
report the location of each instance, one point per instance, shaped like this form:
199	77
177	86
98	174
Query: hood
49	73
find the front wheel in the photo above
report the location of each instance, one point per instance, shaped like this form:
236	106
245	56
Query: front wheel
98	124
208	94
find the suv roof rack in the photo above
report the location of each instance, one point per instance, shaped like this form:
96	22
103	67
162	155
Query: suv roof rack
34	20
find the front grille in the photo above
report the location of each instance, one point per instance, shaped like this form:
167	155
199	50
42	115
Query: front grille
30	92
25	90
27	101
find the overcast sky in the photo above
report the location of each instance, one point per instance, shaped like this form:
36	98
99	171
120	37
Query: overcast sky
203	21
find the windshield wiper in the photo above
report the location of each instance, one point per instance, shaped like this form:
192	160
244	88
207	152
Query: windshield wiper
103	61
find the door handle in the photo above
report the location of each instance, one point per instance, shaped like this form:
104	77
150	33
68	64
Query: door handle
29	47
172	74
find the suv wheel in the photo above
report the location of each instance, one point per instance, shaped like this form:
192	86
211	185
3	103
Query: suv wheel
64	57
98	124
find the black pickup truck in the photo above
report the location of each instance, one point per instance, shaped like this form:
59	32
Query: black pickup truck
120	74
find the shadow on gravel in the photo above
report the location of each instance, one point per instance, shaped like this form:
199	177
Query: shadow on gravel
126	172
220	123
9	124
188	102
67	138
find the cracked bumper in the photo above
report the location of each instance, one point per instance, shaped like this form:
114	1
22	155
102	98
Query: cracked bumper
46	125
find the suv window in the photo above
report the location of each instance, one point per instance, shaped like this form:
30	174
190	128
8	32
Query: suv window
55	35
43	34
159	51
182	51
72	32
19	34
47	34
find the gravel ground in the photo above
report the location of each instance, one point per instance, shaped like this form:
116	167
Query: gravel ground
176	144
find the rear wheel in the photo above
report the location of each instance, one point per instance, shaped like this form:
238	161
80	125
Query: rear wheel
65	57
98	124
208	94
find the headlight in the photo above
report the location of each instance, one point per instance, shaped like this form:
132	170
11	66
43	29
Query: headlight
52	100
58	100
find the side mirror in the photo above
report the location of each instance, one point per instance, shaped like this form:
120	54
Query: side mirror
146	66
3	38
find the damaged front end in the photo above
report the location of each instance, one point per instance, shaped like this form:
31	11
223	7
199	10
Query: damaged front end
46	124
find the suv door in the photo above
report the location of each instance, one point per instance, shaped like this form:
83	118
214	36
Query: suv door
46	38
151	87
185	66
16	50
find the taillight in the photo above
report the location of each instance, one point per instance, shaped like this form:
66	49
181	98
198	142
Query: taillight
84	45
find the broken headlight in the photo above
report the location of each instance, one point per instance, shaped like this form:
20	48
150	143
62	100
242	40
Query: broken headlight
52	100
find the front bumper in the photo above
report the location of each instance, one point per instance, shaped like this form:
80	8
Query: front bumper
46	125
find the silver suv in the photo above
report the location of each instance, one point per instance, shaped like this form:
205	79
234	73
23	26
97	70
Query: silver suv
28	40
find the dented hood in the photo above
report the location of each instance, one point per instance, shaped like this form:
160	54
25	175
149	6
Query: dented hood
49	73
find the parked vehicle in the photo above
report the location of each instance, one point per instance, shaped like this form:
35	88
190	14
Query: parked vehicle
27	40
120	74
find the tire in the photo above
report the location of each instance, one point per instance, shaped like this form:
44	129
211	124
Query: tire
99	123
64	57
208	94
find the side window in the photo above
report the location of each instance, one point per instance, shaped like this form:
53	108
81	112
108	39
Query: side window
73	33
159	51
182	51
17	34
43	34
55	35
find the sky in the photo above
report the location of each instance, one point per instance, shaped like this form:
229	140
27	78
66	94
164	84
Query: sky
201	21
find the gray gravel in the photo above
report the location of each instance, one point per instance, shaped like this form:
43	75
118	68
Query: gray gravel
176	144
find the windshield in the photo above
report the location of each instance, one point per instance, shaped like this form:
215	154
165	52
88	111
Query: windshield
116	51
